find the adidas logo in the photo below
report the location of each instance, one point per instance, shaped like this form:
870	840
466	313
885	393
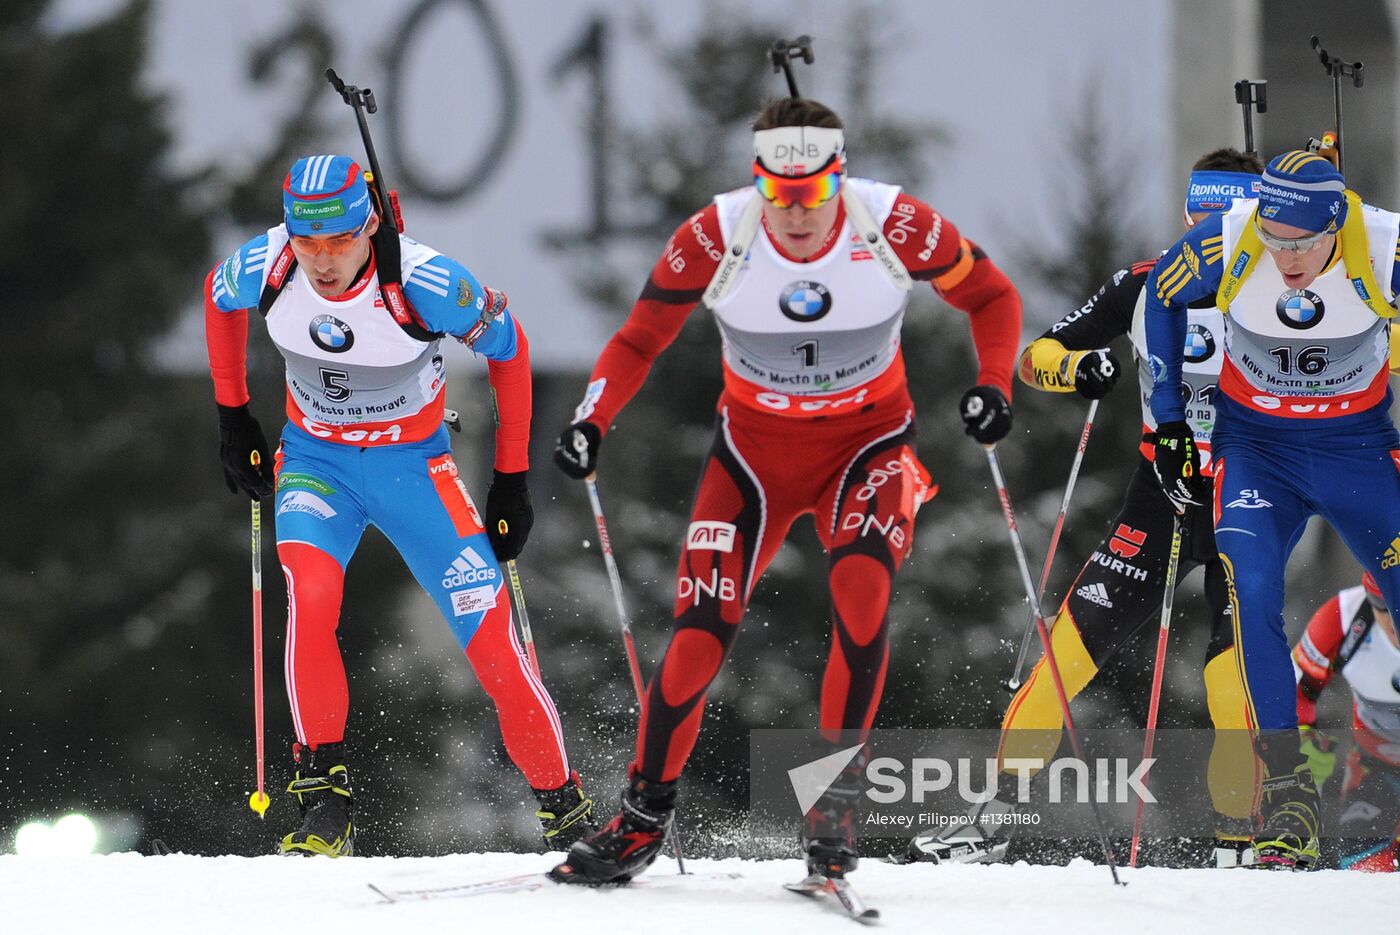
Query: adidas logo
1391	558
468	568
1097	593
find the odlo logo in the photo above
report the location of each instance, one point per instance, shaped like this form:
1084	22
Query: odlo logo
468	568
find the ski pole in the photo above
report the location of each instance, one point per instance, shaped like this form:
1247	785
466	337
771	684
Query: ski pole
605	544
1015	681
258	801
616	581
519	594
1157	667
1044	632
1251	96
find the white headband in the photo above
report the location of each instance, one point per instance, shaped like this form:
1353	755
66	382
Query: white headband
798	151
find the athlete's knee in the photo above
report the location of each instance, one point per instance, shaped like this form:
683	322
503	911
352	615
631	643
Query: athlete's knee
691	663
315	584
860	597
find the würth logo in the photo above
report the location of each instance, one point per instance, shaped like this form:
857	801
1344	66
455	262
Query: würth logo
1127	541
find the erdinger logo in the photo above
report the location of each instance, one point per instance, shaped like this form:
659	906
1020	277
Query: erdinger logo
331	334
1300	309
805	301
1200	345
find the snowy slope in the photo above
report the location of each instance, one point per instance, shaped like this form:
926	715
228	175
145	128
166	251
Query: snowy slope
128	893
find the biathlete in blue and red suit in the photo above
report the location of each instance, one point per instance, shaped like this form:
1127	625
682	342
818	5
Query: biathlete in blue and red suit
365	444
1305	276
807	273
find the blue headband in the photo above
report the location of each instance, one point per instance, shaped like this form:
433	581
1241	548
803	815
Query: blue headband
1303	190
1214	190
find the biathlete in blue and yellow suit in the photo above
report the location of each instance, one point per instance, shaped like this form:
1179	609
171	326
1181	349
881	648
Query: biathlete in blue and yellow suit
365	444
1306	276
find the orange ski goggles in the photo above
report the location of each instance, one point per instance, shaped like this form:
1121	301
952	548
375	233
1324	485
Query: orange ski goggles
809	191
335	244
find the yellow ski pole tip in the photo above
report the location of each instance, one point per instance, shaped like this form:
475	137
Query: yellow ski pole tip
259	803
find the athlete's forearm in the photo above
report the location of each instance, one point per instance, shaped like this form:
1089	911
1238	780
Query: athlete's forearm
993	308
1047	365
514	401
226	337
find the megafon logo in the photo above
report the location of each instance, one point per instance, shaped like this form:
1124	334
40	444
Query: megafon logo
468	568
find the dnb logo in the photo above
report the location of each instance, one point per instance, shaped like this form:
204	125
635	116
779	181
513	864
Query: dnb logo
331	334
1299	309
1200	344
805	301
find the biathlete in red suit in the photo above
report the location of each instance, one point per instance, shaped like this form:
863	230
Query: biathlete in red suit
1353	635
808	273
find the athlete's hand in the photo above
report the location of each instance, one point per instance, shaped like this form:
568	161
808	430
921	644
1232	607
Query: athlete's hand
576	451
1317	747
1177	464
1096	373
240	438
986	413
509	515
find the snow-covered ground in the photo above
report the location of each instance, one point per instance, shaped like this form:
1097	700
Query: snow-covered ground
128	893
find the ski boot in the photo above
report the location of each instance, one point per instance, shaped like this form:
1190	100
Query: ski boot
1234	842
982	839
1290	805
565	814
828	835
627	844
322	788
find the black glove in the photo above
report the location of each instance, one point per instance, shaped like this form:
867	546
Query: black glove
576	451
1096	373
509	515
1177	464
986	413
240	438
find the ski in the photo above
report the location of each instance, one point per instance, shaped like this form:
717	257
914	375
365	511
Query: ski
842	896
531	881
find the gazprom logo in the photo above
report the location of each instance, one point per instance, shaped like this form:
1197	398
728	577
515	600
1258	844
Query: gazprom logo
1240	263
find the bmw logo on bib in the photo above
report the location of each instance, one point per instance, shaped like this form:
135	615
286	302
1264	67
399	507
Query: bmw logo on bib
331	334
1200	345
805	301
1299	309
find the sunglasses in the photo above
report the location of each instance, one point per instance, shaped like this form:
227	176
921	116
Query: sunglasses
809	191
335	245
1291	244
